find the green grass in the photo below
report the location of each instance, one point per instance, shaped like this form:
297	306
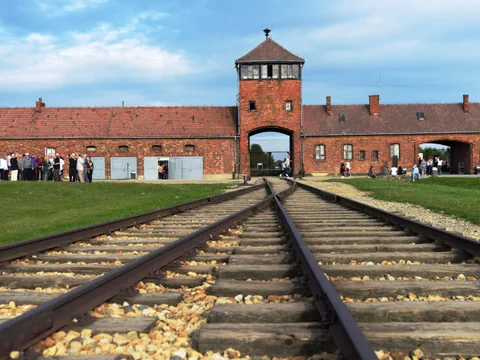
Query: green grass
32	209
459	197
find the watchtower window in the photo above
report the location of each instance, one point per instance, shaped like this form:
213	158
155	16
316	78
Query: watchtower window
269	71
251	106
249	72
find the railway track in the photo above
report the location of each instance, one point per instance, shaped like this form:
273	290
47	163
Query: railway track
407	285
238	275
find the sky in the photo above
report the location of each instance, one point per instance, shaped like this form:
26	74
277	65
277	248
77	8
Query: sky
182	52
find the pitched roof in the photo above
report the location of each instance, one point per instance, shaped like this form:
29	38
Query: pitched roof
393	119
125	122
269	51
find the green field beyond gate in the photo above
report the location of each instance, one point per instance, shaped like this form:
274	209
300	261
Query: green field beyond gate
32	209
459	197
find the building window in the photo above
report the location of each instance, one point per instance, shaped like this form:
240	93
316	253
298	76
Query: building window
91	149
249	72
189	148
269	71
375	155
123	149
361	155
251	106
157	148
290	71
420	116
50	151
341	117
320	152
348	152
288	105
395	151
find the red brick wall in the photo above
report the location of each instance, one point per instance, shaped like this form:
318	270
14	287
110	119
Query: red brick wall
217	153
269	97
408	151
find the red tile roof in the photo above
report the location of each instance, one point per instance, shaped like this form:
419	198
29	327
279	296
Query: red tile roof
269	50
393	119
109	122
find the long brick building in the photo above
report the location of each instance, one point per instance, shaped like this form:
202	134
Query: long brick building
213	142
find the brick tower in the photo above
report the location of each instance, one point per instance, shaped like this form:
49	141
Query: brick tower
270	97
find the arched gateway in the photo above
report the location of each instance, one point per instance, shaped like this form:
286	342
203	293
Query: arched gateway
270	97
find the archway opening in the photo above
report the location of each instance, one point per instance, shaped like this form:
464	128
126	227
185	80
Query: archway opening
454	155
268	150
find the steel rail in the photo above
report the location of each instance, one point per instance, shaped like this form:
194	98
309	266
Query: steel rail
349	339
23	248
454	240
25	330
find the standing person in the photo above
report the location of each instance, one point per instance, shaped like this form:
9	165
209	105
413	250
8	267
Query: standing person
287	165
423	166
80	167
62	165
56	168
440	165
342	170
51	170
89	169
85	164
72	167
347	169
160	172
3	168
27	165
20	167
429	166
14	167
45	168
34	167
39	162
371	174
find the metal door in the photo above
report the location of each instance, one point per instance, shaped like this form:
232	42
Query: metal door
195	168
150	168
175	168
123	167
98	168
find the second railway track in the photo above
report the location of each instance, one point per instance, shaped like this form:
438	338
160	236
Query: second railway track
406	290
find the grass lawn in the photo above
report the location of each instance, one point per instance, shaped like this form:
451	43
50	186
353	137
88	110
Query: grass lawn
459	197
32	209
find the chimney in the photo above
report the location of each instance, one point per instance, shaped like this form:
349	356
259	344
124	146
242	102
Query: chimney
329	106
374	105
466	105
39	104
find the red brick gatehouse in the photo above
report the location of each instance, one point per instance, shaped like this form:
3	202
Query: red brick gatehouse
213	142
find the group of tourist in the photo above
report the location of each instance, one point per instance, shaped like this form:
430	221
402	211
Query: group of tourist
427	167
44	168
432	166
345	170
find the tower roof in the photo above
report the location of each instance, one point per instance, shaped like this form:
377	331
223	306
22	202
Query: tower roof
269	51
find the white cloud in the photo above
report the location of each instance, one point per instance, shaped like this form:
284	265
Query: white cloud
41	61
61	7
390	31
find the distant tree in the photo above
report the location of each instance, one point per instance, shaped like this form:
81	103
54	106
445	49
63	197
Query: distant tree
257	155
429	151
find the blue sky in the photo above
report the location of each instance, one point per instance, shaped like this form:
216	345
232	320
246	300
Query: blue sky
144	52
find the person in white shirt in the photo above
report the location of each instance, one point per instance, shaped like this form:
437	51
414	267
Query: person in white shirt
62	164
394	171
439	166
80	166
3	169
